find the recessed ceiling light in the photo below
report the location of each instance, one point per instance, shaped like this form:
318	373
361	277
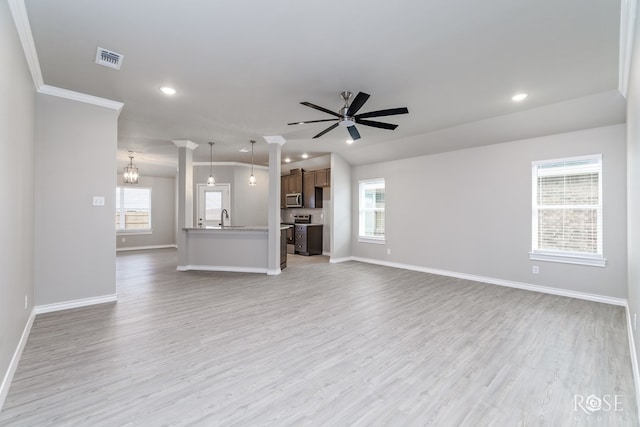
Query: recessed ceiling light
305	156
168	90
287	160
349	141
519	97
244	150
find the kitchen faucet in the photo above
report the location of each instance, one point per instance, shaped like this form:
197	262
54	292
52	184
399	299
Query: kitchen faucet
224	214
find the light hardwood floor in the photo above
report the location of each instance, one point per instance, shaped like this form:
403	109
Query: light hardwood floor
321	344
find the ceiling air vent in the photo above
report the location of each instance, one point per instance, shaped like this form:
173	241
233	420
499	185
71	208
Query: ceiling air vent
108	58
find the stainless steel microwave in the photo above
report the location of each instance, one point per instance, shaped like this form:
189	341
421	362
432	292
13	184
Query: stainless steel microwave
294	200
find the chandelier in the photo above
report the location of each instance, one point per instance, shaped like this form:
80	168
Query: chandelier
130	171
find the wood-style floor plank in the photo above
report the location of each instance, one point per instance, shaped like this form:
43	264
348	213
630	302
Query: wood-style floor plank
321	344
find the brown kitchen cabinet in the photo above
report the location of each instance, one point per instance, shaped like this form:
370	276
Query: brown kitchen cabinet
283	191
308	239
283	249
311	195
294	183
323	178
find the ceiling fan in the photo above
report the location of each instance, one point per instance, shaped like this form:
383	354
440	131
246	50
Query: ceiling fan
347	116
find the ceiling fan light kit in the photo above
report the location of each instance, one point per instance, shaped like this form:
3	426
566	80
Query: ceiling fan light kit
347	115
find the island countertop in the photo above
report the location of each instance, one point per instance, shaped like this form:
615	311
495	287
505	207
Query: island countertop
229	248
241	228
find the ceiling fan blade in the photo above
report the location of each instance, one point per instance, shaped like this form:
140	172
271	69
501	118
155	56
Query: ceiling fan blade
330	128
377	124
380	113
324	110
353	132
357	103
312	121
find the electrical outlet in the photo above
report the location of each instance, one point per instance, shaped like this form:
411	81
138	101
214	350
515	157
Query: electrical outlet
26	301
535	269
388	251
98	200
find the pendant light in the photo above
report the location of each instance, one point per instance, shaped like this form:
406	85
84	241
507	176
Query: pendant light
252	178
210	181
130	171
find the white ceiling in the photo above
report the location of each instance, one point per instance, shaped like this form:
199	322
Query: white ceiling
242	67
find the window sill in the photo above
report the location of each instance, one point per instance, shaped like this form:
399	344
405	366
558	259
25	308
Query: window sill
568	259
133	232
374	240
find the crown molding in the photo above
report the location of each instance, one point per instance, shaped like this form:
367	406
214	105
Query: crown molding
21	20
81	97
185	143
23	28
248	165
627	30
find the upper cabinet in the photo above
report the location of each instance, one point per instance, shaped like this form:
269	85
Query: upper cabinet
294	183
323	178
311	195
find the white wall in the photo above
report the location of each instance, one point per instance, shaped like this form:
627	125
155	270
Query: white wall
74	240
469	211
249	205
633	183
17	115
163	214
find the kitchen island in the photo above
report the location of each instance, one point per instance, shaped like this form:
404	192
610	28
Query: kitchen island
230	248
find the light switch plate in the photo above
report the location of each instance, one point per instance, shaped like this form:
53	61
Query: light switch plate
98	200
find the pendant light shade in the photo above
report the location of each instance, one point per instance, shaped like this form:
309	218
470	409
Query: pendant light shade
211	181
252	178
130	171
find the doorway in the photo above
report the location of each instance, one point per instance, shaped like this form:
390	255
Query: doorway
210	203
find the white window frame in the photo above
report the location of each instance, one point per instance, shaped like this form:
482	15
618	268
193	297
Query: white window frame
362	237
569	257
140	230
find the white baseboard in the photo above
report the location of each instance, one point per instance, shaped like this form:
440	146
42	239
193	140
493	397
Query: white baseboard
13	365
144	248
222	268
339	260
518	285
65	305
326	253
274	272
634	357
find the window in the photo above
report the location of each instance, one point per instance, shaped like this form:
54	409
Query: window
133	209
371	228
567	210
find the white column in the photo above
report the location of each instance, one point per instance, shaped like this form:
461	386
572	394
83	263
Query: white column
275	167
185	196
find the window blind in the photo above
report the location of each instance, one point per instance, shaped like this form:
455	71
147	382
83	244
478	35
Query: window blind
567	206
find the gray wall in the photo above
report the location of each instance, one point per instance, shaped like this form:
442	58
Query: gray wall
249	205
340	208
469	211
163	214
75	242
17	114
633	182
